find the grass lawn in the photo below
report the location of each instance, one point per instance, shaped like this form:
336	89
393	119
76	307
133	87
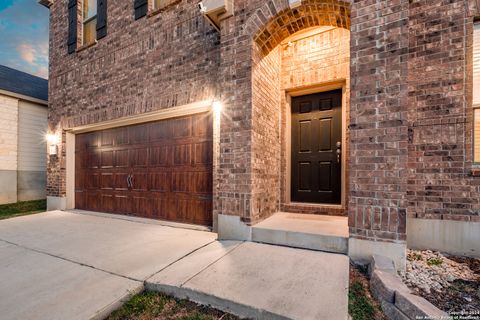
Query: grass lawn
22	208
155	306
361	304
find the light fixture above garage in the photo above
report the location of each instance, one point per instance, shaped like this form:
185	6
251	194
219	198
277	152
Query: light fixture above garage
217	106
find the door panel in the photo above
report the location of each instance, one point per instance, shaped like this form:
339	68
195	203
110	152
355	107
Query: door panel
316	130
305	176
160	170
306	136
325	138
325	176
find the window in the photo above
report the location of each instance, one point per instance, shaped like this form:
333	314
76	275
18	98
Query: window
476	92
89	21
159	4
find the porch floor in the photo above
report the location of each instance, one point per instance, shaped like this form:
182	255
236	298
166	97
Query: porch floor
307	231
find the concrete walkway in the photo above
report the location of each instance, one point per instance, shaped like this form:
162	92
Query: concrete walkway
61	265
261	281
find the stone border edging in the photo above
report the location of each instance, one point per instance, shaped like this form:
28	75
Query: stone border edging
396	299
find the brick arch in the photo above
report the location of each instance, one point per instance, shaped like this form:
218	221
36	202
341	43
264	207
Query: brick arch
276	21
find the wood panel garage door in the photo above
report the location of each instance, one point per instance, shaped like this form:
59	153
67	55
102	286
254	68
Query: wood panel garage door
160	170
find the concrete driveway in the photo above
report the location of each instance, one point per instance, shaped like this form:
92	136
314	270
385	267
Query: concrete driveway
61	265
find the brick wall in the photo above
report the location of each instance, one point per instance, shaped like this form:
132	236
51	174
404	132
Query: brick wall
440	185
266	146
408	94
162	61
316	59
378	120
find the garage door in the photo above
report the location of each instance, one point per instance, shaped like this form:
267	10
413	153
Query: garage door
159	170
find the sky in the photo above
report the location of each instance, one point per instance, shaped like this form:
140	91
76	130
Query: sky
24	36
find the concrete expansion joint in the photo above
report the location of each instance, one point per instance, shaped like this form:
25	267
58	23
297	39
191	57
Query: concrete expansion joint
301	248
175	261
70	260
211	264
147	221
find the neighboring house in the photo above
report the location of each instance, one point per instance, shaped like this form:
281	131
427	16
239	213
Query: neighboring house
23	124
365	109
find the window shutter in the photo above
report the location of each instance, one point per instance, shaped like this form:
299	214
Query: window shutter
72	26
101	18
141	8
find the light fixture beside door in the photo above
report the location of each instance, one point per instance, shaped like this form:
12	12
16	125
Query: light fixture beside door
52	142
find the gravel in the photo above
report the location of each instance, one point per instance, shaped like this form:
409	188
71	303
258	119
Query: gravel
450	283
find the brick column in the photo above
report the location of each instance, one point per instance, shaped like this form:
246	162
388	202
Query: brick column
379	129
233	196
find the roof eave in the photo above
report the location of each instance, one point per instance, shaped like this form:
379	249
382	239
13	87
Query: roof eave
46	3
24	97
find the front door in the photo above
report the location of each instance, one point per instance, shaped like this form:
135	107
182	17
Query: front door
317	148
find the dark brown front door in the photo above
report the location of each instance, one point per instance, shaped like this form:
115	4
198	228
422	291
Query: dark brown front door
316	148
160	170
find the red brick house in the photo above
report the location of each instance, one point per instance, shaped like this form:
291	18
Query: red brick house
363	109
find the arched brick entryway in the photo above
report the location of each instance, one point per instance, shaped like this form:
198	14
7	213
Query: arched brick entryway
276	21
268	28
378	129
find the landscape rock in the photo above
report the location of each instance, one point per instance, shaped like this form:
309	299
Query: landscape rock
428	270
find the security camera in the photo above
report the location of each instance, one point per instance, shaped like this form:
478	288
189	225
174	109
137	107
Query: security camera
202	8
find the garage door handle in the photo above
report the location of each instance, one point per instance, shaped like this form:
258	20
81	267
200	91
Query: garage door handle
129	181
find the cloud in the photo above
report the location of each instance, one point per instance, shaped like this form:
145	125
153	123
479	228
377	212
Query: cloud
42	72
36	57
26	52
24	36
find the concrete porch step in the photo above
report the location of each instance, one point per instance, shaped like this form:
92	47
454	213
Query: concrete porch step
306	231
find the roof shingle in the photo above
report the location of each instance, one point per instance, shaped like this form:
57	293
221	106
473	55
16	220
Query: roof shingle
23	83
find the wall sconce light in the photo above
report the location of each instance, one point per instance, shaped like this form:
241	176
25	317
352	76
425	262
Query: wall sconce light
217	106
52	141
